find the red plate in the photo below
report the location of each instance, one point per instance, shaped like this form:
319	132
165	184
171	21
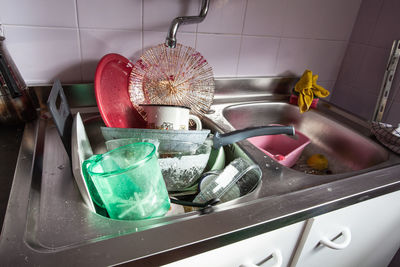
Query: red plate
111	90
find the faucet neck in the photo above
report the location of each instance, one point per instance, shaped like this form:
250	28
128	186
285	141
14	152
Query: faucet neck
173	28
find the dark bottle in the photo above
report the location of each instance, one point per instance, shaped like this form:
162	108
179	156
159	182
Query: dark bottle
16	104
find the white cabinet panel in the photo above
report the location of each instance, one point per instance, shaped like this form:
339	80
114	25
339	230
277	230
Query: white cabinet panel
365	234
274	248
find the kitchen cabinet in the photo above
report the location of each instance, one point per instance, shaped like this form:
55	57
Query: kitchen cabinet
274	248
365	234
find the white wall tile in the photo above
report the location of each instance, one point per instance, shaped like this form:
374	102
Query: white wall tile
328	85
372	69
341	93
43	54
106	14
347	97
353	59
265	17
258	56
151	39
51	13
116	26
221	52
354	99
322	57
387	27
363	104
392	113
366	21
224	17
158	14
376	27
97	43
322	19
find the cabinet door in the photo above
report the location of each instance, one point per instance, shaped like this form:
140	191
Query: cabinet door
365	234
274	248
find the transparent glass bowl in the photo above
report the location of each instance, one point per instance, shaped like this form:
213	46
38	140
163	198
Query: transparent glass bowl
238	178
182	163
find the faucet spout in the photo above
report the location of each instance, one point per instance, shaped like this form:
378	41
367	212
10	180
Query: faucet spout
173	28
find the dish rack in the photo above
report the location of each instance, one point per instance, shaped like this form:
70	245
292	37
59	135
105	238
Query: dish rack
387	134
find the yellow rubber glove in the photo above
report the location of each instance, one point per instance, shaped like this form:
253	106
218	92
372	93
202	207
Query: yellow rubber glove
307	87
305	99
318	90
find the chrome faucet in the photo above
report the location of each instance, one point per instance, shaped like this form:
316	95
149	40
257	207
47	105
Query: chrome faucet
173	28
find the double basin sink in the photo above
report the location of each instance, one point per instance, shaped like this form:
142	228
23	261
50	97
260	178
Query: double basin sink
47	221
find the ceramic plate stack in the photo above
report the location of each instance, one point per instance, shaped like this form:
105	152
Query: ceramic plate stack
172	76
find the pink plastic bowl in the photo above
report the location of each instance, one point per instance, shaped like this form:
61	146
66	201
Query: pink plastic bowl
282	148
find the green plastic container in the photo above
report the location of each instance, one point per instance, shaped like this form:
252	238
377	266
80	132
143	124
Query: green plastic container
129	182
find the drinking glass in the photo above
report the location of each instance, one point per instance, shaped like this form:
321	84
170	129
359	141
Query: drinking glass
129	182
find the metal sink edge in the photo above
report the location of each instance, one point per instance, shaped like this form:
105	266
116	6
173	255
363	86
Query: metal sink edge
163	240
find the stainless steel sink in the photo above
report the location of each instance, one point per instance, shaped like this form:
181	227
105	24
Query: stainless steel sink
47	222
345	149
343	138
56	220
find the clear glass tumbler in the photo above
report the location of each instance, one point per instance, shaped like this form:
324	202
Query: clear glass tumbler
240	175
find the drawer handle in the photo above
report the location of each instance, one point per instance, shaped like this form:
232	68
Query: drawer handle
277	255
330	244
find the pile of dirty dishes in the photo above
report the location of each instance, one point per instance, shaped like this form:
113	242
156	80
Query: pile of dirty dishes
128	94
182	156
181	162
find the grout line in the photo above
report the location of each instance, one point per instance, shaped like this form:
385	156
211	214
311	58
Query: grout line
195	40
367	45
142	48
241	40
39	26
276	36
369	39
216	33
284	20
72	28
340	70
194	32
195	37
277	56
79	40
197	25
282	30
110	29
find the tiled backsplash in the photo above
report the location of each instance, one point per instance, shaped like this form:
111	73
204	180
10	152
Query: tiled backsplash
360	79
67	38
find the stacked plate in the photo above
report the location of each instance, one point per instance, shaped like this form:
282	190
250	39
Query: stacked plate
163	75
